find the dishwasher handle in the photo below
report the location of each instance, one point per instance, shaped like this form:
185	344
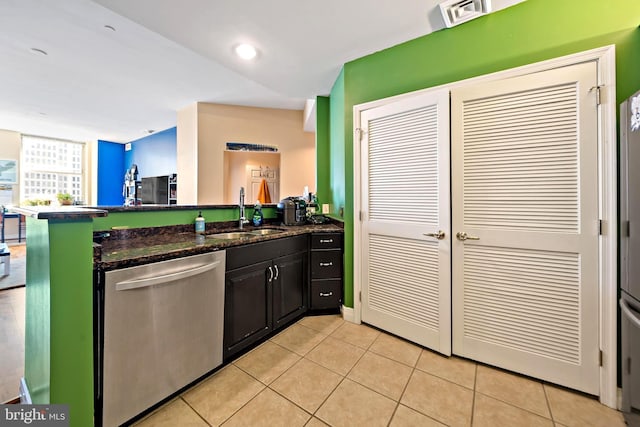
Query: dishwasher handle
126	285
629	313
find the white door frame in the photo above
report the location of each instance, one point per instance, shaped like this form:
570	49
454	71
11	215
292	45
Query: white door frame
607	181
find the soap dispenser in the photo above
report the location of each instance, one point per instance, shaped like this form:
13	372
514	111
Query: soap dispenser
199	223
258	217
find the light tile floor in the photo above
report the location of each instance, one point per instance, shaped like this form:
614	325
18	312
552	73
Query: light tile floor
324	371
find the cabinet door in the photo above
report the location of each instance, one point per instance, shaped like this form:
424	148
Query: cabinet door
247	308
289	288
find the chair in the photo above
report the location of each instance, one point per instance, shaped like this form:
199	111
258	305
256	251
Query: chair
9	215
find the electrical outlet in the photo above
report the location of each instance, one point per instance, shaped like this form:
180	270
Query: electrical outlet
325	208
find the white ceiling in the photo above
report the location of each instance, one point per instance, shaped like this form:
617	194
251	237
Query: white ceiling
96	83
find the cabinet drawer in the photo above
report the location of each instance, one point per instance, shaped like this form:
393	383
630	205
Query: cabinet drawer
326	264
326	241
326	294
253	253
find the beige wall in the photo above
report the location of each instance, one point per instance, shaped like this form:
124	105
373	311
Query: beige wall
236	164
187	155
10	147
10	144
218	124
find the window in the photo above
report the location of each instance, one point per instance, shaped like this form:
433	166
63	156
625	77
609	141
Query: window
51	166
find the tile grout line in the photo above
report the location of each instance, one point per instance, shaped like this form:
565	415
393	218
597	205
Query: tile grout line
473	402
310	350
413	369
308	360
511	404
337	385
546	397
268	386
181	397
344	377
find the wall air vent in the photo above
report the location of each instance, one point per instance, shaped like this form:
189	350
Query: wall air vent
456	12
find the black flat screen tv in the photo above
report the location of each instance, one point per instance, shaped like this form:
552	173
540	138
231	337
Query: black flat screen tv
155	190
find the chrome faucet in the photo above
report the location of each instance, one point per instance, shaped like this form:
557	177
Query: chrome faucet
243	220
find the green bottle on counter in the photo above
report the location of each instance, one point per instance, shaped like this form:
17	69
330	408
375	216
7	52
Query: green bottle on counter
258	217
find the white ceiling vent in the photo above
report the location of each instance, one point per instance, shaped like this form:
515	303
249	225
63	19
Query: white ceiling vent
456	12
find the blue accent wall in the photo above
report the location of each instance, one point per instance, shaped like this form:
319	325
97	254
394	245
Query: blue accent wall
110	173
155	154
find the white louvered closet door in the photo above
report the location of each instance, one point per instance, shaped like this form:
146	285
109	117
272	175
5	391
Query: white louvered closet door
406	274
524	173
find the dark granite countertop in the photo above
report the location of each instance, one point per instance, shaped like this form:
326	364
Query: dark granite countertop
58	212
150	208
130	247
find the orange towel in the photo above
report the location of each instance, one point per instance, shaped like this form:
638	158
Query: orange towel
263	193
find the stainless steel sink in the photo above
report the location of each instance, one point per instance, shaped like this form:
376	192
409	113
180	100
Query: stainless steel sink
265	231
231	235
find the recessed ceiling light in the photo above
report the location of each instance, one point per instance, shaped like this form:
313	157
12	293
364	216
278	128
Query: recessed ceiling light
246	51
109	27
40	51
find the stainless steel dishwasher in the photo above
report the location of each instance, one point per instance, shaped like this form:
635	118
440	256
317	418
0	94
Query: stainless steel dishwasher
163	329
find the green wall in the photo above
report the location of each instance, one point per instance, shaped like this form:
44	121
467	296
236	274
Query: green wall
336	149
37	312
323	150
59	316
532	31
167	217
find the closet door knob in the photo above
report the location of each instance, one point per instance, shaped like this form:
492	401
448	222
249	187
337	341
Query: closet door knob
439	235
464	236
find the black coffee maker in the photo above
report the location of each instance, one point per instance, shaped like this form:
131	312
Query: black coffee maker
292	211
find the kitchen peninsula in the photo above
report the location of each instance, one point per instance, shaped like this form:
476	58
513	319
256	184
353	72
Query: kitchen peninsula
61	260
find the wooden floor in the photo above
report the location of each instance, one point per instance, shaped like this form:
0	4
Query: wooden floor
18	267
12	303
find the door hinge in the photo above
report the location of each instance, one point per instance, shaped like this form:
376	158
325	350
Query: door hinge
359	133
361	216
625	229
602	230
600	358
360	296
598	90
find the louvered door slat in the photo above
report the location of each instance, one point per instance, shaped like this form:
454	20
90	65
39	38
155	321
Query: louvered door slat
511	209
393	143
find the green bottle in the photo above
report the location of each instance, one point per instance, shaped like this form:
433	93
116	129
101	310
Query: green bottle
258	217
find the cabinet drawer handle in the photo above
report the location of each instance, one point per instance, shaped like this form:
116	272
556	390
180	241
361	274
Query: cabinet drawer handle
277	271
326	294
326	264
326	240
270	274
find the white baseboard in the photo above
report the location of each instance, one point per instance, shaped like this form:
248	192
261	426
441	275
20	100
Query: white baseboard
25	397
619	399
348	314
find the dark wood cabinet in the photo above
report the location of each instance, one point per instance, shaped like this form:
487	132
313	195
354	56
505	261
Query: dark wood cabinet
266	287
247	314
326	271
289	288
